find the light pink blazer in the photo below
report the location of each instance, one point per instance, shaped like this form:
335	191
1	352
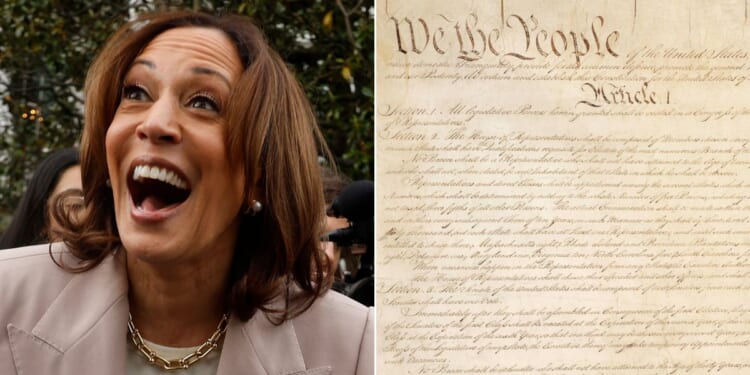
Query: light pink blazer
55	322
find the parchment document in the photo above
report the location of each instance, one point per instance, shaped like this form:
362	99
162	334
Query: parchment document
563	187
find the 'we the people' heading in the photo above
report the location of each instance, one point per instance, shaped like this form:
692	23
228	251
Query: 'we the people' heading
519	38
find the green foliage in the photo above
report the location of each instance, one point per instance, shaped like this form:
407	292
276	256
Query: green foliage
46	45
336	69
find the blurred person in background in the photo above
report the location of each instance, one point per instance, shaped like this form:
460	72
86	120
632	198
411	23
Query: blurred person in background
333	183
346	257
33	220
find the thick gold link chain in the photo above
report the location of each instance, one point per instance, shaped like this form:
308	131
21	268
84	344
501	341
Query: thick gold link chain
182	363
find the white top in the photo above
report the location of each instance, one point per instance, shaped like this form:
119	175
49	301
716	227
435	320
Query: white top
137	363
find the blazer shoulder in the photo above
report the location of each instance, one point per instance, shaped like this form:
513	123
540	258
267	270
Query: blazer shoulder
336	330
31	261
36	259
333	302
339	309
30	279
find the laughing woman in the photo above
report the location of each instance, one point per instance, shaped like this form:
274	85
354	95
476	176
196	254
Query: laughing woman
198	246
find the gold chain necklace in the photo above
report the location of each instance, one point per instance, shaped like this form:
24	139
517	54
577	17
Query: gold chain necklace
176	364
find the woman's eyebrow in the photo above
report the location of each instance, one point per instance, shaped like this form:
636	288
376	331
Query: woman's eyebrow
201	70
145	62
197	70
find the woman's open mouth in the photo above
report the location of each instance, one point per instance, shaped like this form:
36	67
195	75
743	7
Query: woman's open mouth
156	187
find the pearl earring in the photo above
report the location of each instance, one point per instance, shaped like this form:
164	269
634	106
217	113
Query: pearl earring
254	207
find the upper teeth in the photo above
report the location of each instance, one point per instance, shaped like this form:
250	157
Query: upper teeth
157	173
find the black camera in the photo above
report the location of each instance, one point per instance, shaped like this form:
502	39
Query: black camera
356	203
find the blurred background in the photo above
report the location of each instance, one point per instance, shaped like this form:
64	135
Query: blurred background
47	45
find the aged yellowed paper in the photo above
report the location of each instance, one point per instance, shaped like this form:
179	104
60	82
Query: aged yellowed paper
563	187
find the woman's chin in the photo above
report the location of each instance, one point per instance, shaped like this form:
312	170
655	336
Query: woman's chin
151	247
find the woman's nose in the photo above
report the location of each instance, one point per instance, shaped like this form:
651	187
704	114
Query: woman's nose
161	125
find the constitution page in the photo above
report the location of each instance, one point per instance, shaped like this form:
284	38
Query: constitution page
563	187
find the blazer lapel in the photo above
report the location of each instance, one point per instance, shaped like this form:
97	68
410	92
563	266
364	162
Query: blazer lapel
84	330
259	347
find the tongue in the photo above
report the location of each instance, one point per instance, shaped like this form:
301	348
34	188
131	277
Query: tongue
152	203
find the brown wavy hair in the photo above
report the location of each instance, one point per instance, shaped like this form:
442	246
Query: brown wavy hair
271	131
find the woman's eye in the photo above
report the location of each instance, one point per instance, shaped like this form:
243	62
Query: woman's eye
203	102
134	92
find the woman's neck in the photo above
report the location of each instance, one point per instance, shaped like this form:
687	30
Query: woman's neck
178	305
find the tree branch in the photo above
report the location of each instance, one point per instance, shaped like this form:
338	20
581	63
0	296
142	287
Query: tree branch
348	24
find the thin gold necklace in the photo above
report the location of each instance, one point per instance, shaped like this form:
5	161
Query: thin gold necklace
176	364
